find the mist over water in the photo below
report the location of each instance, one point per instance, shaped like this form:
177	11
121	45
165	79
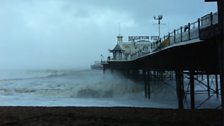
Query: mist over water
86	88
77	88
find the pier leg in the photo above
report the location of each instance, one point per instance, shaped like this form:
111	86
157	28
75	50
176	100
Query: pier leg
208	85
145	82
111	70
216	86
171	75
220	4
192	89
128	73
157	75
180	88
104	70
137	75
148	84
134	72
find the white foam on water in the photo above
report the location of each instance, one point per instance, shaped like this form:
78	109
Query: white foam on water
81	88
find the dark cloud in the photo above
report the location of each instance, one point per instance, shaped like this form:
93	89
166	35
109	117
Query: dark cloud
74	33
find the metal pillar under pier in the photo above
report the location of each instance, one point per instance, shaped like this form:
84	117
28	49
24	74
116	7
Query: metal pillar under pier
180	88
104	69
148	82
216	86
145	82
220	4
208	85
147	75
192	91
111	70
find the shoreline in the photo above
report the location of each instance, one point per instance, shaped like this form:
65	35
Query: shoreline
109	116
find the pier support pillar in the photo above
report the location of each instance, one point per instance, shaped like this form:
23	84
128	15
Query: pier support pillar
111	70
221	54
148	82
220	4
128	73
104	69
145	82
208	85
216	86
146	74
180	88
192	91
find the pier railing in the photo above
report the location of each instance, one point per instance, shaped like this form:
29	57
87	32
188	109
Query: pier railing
192	30
184	34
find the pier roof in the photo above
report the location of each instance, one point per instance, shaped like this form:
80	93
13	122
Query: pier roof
130	47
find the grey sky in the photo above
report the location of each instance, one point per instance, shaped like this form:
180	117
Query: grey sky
63	34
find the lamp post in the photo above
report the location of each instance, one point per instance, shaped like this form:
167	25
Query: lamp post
101	58
159	18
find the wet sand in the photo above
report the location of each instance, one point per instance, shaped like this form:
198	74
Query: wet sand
99	116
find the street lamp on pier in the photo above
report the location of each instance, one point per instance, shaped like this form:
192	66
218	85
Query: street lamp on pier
159	18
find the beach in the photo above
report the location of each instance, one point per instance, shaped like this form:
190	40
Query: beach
106	116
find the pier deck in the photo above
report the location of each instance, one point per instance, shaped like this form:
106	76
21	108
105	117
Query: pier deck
193	48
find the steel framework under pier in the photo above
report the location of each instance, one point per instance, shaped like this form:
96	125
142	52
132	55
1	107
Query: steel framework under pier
196	59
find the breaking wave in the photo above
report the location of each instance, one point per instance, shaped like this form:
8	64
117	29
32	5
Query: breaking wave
29	75
78	88
71	84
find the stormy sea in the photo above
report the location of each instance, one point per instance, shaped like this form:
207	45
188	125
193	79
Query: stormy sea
84	88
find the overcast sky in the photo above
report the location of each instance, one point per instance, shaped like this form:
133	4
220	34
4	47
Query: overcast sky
64	34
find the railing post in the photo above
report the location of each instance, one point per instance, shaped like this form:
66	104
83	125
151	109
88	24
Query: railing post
174	34
199	27
211	19
169	38
189	31
181	33
199	23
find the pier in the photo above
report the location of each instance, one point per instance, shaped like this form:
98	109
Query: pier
193	51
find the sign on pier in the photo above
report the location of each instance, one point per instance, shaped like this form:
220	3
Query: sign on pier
138	38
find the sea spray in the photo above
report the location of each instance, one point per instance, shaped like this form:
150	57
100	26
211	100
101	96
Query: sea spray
51	87
81	88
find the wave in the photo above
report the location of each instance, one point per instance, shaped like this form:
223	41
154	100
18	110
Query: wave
73	84
55	73
63	73
29	75
78	84
87	90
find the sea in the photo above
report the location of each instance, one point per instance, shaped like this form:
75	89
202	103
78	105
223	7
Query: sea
83	88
